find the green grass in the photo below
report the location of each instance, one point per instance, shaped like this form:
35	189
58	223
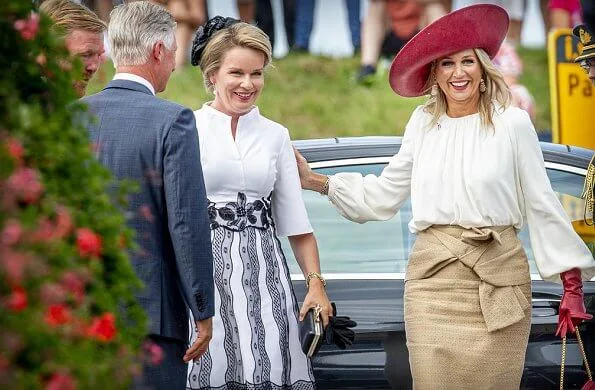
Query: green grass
317	97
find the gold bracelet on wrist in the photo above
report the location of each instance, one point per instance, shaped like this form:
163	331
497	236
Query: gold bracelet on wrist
314	275
324	190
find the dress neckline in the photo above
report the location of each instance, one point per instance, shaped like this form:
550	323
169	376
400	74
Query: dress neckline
455	118
250	115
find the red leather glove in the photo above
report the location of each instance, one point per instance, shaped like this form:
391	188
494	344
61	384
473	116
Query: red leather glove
572	306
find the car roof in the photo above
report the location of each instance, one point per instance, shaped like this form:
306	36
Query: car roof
339	148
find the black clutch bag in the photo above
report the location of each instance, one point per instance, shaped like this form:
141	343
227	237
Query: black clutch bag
311	332
338	331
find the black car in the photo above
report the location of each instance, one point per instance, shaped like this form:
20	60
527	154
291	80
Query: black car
364	266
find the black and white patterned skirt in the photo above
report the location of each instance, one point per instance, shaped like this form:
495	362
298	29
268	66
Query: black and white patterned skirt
255	342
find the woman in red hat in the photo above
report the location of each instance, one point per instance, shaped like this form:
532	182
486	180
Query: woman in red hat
474	170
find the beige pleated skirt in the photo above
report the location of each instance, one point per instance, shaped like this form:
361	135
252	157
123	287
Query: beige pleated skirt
452	342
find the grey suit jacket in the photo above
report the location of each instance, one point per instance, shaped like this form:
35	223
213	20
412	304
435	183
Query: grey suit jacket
155	143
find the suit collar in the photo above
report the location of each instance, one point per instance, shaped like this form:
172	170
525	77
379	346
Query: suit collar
128	84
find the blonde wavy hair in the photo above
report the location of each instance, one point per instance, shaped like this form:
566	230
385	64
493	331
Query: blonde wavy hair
496	97
237	35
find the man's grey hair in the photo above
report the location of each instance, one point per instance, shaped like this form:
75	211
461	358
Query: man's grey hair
134	29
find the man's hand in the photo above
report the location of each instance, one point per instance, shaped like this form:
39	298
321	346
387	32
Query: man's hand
201	344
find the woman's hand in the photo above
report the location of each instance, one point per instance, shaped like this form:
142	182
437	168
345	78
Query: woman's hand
308	178
317	296
304	169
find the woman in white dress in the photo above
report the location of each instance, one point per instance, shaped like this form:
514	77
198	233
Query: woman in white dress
474	170
254	195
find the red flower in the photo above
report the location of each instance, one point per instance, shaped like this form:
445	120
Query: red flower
24	182
44	231
12	232
88	243
60	381
17	301
153	352
74	283
41	59
15	150
57	315
103	328
50	230
14	264
4	364
52	294
28	27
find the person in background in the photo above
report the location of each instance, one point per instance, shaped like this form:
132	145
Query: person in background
189	14
388	25
473	167
154	143
304	21
102	7
564	13
261	13
587	57
83	35
588	8
515	10
510	65
254	196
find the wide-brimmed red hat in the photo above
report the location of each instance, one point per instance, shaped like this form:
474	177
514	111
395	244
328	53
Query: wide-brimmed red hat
478	26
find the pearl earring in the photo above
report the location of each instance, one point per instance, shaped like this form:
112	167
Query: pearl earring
482	86
434	90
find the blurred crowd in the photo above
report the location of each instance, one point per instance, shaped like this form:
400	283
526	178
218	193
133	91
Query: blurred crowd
377	33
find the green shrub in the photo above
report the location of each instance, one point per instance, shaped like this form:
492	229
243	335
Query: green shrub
67	313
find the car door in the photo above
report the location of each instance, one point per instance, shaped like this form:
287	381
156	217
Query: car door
365	264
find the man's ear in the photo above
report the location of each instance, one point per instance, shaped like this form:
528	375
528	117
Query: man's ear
157	52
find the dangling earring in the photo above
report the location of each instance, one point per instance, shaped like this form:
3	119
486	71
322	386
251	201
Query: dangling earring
434	90
482	86
215	89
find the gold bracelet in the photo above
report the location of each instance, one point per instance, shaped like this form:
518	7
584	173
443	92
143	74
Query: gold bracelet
317	276
324	190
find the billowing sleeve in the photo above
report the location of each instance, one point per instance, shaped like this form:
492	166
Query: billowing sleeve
556	246
289	211
371	198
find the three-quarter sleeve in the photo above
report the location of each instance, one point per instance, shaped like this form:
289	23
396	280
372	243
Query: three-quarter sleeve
556	246
289	210
372	198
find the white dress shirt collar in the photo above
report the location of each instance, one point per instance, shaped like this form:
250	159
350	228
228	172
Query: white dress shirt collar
135	78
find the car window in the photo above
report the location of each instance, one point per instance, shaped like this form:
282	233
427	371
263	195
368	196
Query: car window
384	246
568	186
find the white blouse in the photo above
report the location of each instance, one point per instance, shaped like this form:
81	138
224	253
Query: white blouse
260	160
459	173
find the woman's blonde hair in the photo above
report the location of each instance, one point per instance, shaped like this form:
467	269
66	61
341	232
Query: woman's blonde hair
237	35
496	96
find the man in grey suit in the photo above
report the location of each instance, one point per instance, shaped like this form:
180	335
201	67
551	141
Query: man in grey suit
155	142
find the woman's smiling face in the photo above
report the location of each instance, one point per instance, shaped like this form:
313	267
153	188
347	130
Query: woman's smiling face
238	81
458	75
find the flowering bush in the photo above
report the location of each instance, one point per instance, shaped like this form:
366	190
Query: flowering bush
68	318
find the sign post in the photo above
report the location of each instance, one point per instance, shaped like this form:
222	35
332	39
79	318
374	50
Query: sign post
571	92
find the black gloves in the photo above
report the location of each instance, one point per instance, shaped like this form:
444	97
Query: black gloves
338	331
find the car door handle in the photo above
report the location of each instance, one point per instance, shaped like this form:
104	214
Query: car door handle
547	300
545	307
